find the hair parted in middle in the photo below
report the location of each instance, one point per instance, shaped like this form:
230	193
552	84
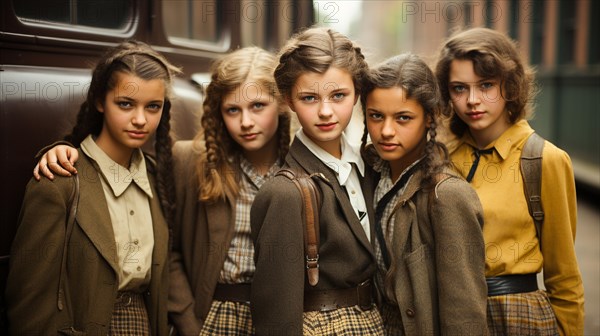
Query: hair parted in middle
316	50
218	166
411	73
494	55
138	59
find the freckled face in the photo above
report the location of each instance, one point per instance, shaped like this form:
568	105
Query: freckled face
397	126
324	103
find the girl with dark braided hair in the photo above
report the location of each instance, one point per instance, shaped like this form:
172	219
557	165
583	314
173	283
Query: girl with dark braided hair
429	246
107	273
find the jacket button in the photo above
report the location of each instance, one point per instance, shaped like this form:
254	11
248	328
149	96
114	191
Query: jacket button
410	313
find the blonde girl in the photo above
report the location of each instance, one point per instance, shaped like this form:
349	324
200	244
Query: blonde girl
246	136
489	87
429	247
319	76
114	279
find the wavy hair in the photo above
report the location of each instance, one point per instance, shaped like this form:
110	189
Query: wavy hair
316	50
218	169
494	55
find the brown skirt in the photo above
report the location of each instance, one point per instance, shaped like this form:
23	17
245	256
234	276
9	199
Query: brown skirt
129	316
343	321
526	314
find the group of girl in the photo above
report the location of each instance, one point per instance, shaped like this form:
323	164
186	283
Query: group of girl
403	239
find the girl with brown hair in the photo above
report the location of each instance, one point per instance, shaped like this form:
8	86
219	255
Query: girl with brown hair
245	136
429	247
107	273
489	88
319	75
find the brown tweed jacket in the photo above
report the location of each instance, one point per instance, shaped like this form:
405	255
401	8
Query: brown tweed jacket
91	281
438	267
346	255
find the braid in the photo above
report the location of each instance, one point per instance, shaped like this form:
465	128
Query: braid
284	135
164	177
436	157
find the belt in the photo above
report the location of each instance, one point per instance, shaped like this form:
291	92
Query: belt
511	284
331	299
232	292
126	298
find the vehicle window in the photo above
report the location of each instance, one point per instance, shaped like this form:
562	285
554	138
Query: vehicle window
110	14
191	21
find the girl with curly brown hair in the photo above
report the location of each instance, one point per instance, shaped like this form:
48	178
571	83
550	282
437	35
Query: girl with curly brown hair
488	89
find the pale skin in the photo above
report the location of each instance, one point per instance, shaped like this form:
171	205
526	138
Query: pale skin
398	127
478	102
250	114
323	104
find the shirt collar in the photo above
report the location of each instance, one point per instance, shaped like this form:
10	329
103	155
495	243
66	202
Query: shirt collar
342	166
253	176
115	175
511	137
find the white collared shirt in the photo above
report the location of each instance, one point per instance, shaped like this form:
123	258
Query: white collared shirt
347	174
128	195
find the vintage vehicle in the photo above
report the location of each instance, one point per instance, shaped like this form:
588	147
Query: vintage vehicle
47	49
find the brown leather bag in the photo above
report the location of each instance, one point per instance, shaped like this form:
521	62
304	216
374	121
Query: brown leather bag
311	199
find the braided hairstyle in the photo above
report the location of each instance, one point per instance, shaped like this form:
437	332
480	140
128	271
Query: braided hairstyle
316	50
218	166
138	59
410	73
494	55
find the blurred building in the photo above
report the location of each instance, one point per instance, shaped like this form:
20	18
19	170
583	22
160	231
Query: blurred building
559	37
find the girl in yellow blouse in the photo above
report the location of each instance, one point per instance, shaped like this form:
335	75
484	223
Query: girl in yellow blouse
488	87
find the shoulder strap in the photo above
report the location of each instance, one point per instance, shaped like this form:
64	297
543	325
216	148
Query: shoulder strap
311	199
531	170
73	202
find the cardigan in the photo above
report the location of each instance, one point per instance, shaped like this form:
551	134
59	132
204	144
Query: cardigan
91	282
346	255
438	258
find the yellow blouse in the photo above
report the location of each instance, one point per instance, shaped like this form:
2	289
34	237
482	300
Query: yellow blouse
512	246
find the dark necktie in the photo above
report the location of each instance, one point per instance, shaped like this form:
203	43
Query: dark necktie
380	208
477	154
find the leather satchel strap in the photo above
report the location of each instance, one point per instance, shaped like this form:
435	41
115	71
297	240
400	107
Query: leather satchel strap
73	203
311	204
531	171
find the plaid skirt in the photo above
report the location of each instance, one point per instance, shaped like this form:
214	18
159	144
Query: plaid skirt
129	316
343	321
392	320
228	318
521	314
